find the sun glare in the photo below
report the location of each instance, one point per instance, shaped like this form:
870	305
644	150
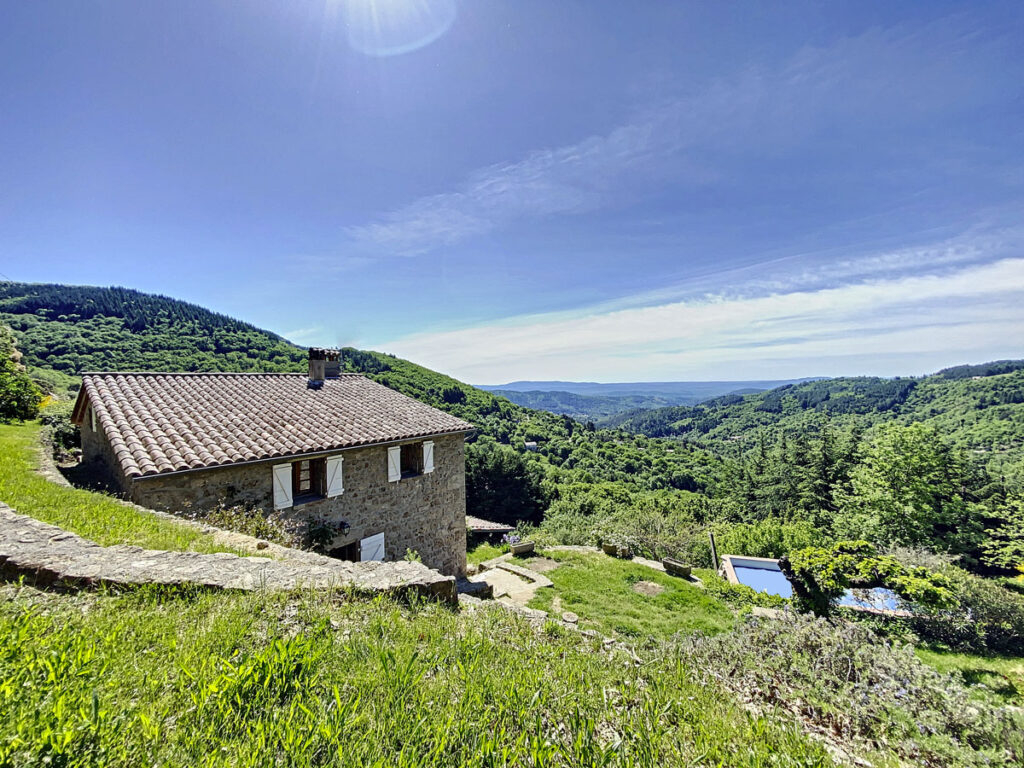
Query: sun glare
393	27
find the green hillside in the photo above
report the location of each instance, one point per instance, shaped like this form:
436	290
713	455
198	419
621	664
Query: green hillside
980	408
932	462
72	329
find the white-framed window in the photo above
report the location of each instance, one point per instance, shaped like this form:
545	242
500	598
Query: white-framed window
410	460
305	480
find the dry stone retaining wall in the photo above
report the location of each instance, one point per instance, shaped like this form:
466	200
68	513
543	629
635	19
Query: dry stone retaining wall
50	555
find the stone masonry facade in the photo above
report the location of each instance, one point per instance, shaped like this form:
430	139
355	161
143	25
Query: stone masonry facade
425	513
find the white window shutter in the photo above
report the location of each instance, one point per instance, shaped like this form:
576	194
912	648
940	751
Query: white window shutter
372	547
394	464
282	486
92	418
335	482
428	457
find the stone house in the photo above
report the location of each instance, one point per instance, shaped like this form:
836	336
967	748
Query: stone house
364	471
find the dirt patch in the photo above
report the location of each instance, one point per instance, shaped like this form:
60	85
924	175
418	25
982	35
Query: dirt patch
542	564
648	588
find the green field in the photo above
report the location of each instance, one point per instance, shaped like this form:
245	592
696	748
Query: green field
95	516
602	591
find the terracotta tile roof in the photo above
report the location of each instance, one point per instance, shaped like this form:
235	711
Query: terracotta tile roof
165	422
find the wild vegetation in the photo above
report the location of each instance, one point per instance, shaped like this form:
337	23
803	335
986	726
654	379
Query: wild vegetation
72	329
164	677
841	682
19	395
979	407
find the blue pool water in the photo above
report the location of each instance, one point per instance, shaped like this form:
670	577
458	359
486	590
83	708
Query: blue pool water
768	577
764	579
878	598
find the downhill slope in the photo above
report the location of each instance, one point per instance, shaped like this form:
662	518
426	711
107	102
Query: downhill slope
601	402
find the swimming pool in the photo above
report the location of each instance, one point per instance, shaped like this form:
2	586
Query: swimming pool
877	599
764	575
763	578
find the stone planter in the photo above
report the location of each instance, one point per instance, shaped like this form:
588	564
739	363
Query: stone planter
675	567
522	548
617	550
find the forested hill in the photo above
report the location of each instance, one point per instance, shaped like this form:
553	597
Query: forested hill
71	329
980	407
65	330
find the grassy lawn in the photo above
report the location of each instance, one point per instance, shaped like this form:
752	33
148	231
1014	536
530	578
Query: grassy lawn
92	515
485	551
1003	675
600	589
160	677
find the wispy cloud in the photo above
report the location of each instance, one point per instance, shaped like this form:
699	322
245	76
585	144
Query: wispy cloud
760	108
966	311
308	335
569	179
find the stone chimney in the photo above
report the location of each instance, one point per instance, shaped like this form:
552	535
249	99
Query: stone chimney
323	364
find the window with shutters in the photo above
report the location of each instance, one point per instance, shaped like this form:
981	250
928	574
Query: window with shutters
412	460
308	480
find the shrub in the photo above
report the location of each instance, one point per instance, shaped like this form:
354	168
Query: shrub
988	619
61	433
820	576
766	538
251	522
843	682
19	396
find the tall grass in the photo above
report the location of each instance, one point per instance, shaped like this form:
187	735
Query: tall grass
93	515
153	678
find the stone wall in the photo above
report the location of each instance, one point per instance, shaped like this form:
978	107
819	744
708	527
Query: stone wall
98	457
426	513
47	554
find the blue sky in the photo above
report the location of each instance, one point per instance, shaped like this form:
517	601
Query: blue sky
507	190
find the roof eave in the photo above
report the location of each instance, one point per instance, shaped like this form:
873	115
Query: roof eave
78	412
306	455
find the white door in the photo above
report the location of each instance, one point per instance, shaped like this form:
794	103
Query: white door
372	547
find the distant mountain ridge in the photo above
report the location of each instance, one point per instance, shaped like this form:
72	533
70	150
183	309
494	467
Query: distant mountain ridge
598	402
63	330
697	389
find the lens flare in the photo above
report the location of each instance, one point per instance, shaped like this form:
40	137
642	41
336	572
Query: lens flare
393	27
